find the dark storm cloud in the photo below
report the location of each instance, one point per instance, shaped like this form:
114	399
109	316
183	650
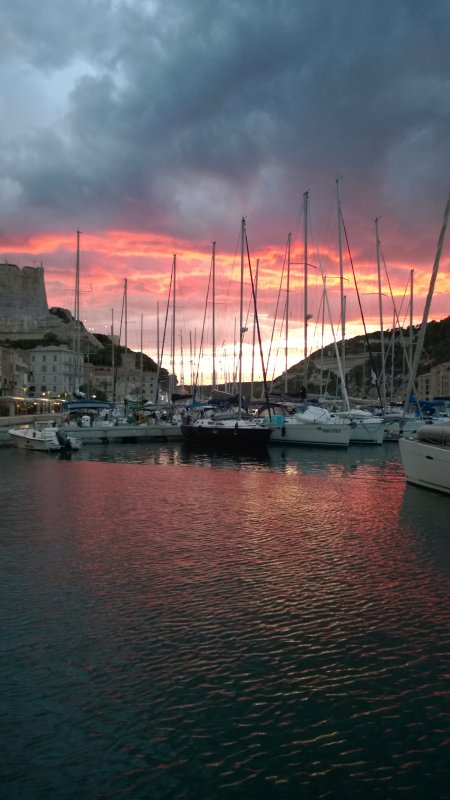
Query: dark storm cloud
182	116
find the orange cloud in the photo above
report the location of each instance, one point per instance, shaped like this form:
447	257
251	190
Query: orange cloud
145	259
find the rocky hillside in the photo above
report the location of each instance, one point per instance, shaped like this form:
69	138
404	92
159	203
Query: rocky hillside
363	358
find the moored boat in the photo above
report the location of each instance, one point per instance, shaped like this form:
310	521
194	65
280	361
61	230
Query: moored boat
47	439
366	427
124	432
229	427
97	422
235	432
315	427
426	458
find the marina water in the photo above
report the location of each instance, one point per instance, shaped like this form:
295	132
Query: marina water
178	624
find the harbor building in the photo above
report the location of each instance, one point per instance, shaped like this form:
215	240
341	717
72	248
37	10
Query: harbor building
52	370
14	368
435	383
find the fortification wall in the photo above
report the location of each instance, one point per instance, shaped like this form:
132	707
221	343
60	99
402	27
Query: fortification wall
23	299
24	310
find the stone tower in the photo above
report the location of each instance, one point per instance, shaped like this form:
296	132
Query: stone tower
23	299
24	312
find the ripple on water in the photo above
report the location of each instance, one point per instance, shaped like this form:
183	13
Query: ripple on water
192	632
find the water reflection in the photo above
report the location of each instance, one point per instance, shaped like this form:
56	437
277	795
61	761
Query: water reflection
426	515
225	629
320	461
289	460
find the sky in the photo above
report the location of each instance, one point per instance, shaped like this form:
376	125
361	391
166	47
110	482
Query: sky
155	126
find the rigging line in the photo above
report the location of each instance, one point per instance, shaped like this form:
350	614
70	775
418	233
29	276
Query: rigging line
319	274
276	309
408	307
200	349
231	282
277	352
272	380
372	364
298	226
397	318
257	327
404	293
116	366
329	233
390	288
164	335
426	311
402	301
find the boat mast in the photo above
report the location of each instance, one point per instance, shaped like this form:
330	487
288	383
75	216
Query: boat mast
323	333
125	309
242	330
113	369
380	305
390	379
142	360
254	330
182	360
172	354
305	309
191	362
341	279
158	369
214	379
287	314
421	338
411	318
336	349
76	315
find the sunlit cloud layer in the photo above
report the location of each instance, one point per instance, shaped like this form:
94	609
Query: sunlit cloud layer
153	127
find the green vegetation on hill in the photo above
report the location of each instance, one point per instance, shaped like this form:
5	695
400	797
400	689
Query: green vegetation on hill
359	379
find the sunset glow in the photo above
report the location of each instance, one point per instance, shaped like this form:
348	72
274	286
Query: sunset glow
107	258
154	147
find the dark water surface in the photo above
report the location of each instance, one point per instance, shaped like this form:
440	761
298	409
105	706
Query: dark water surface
184	625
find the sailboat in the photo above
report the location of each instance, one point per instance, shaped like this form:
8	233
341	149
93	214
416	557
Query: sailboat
314	426
366	427
295	424
229	429
426	457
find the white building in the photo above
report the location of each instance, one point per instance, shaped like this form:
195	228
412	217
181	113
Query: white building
14	367
129	383
435	383
53	370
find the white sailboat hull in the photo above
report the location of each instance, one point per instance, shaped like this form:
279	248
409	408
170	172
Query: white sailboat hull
310	433
367	433
365	429
426	464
